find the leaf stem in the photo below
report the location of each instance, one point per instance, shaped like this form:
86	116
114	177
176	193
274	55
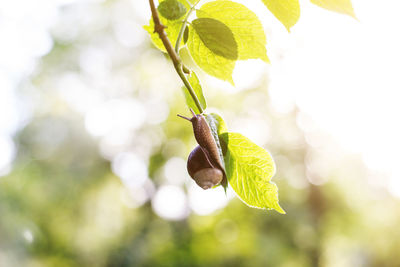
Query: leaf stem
159	28
183	27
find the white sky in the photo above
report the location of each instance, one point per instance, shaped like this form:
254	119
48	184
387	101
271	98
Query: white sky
343	74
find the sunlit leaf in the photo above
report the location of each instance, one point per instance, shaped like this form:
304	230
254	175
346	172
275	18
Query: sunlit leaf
249	169
217	126
195	83
219	123
172	29
186	35
171	9
286	11
340	6
213	64
217	37
244	24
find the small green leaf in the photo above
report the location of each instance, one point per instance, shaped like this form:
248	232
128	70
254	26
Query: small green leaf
185	3
172	28
244	24
219	123
286	11
340	6
195	83
249	169
186	35
213	64
171	9
216	124
217	37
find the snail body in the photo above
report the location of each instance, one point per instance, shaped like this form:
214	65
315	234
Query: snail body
204	164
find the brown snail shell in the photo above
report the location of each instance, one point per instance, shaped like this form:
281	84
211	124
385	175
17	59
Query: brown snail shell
201	169
204	164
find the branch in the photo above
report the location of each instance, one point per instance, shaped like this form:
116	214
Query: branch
159	28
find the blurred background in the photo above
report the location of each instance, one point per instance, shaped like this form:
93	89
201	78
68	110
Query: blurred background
93	156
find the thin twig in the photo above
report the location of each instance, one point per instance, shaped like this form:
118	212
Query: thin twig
159	28
182	30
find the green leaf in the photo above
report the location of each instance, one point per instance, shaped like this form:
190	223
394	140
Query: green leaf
172	28
171	9
217	125
218	121
185	3
249	169
286	11
217	37
186	35
215	122
195	83
340	6
244	24
213	64
172	31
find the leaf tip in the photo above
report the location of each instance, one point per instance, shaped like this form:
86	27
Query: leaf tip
350	12
146	28
265	58
353	15
343	7
230	80
279	209
287	12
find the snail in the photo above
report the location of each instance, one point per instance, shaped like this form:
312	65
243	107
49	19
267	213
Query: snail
204	164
